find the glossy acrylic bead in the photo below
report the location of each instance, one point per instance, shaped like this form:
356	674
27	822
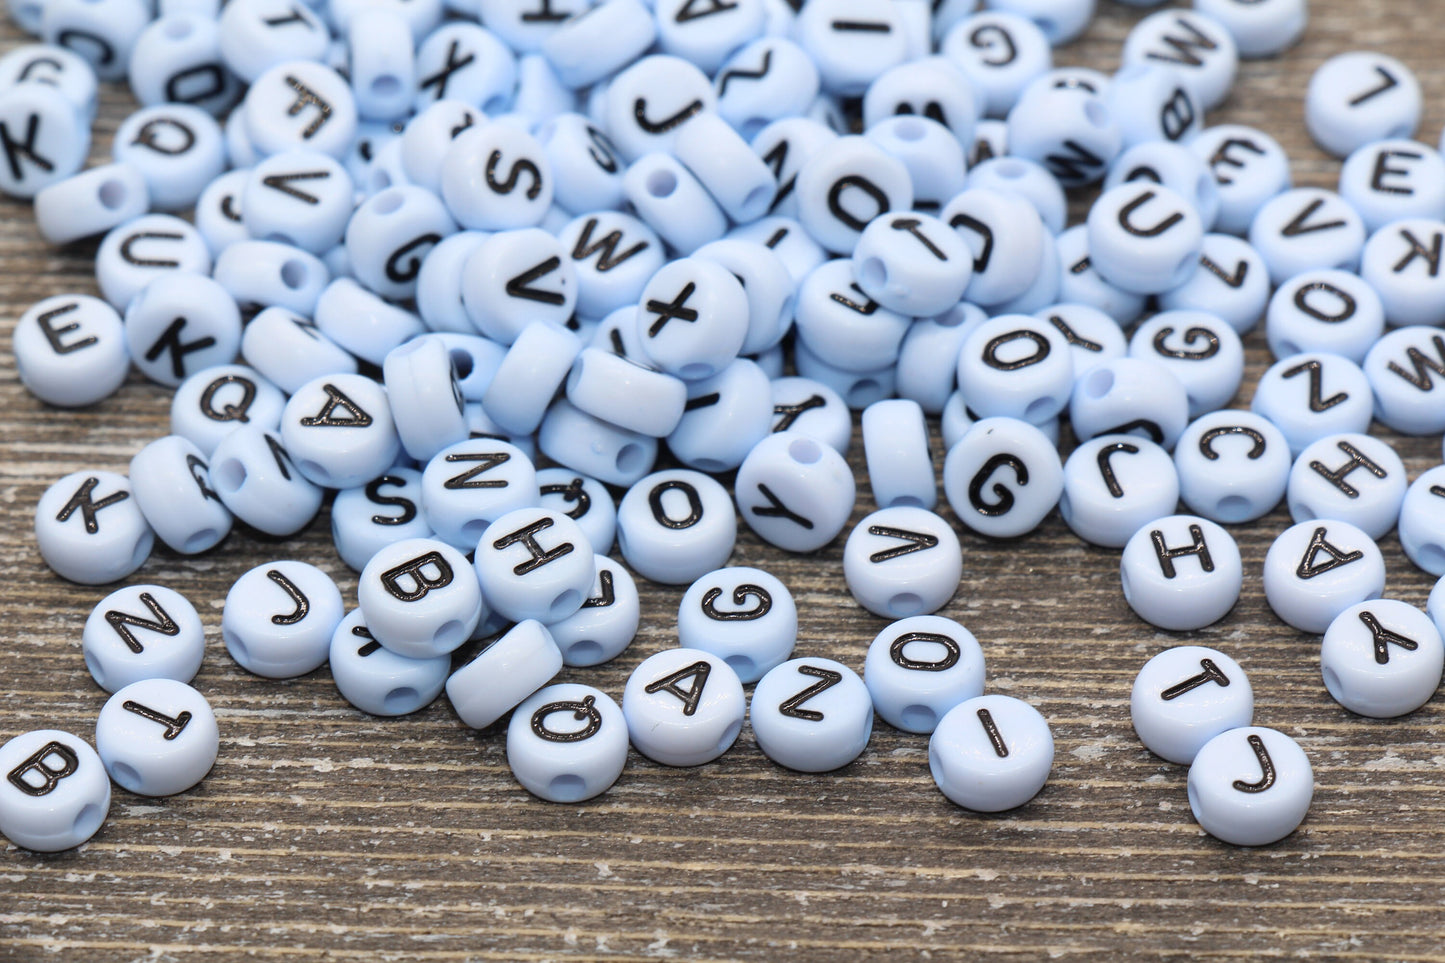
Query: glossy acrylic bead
531	373
1000	53
157	737
178	59
1199	47
257	479
1031	180
689	325
586	168
588	49
361	322
766	282
786	145
369	517
299	103
103	33
177	148
1261	28
290	351
419	598
840	190
794	491
142	632
50	139
1307	229
1152	102
257	34
90	530
1422	521
54	66
218	211
673	526
578	441
1070	131
424	398
1185	696
56	793
765	80
1233	466
389	235
841	325
1006	237
1079	283
1181	572
299	197
1324	311
684	707
606	623
1400	263
1093	336
1392	179
1144	237
496	177
919	668
463	61
339	430
1016	366
811	715
1130	396
540	94
467	486
649	102
725	417
991	753
902	561
912	264
721	160
895	446
179	324
1351	477
70	350
279	618
534	563
567	743
1382	658
1115	484
625	393
850	57
91	202
171	483
517	277
1249	168
439	283
382	64
260	274
504	674
1231	282
584	500
377	680
211	404
1315	570
1358	97
1406	370
744	616
814	409
672	201
933	156
1309	396
139	251
1003	477
1198	348
927	367
614	256
1250	786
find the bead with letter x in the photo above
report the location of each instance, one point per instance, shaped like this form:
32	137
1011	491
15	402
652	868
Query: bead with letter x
666	311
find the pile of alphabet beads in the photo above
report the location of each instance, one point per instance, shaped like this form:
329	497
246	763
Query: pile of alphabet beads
478	266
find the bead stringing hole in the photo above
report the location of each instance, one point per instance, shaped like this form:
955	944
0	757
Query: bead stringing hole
661	183
804	451
111	194
294	274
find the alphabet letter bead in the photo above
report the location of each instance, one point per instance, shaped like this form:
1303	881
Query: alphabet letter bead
472	483
139	251
1130	396
1317	569
673	526
1422	522
1181	572
389	235
377	680
725	416
1185	696
91	202
811	715
267	273
1249	167
919	668
744	616
1382	658
1389	180
369	517
299	103
259	482
157	737
1232	283
90	530
1001	53
1358	97
504	674
279	618
142	632
515	278
178	148
912	264
1307	229
46	138
607	621
70	350
991	753
567	743
1233	466
902	561
684	707
299	197
841	325
171	483
589	445
1113	484
1310	396
419	598
1329	311
796	492
1196	45
179	324
1016	366
1145	238
1351	477
1003	477
841	189
852	41
1406	370
56	793
1402	263
1250	786
339	430
533	563
1198	348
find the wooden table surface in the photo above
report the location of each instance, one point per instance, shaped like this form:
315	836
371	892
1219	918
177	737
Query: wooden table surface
325	833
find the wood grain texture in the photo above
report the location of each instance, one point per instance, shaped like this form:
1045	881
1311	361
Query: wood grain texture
323	833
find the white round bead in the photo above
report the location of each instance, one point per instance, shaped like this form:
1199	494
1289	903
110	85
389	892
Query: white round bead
1003	477
1115	484
279	618
1355	478
744	616
811	715
90	530
1233	466
567	743
1315	570
1382	658
70	350
142	632
673	526
56	793
420	598
606	623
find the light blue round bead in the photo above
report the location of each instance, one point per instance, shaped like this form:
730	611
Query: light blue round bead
928	357
1045	288
218	210
1249	168
467	486
419	598
1006	236
991	753
667	87
466	62
725	416
895	446
613	255
54	66
172	485
912	264
1114	484
766	283
179	324
723	163
1185	696
91	202
1231	283
684	707
1250	786
1079	283
1358	97
567	743
786	145
744	616
1233	466
257	34
90	530
919	668
298	197
693	318
534	563
279	618
496	177
795	491
1181	572
1309	396
1130	396
369	517
389	235
515	278
289	350
1152	102
1093	336
849	60
1400	263
811	715
931	153
955	420
71	351
1389	180
1030	180
786	238
1200	349
1199	47
841	326
273	121
428	136
143	249
671	201
1324	311
1355	478
590	445
1260	29
259	481
841	189
929	86
586	168
1001	53
142	632
157	737
265	274
381	63
606	623
1016	366
1315	570
178	149
475	360
426	402
340	431
1145	238
377	680
65	796
673	526
902	561
1174	166
1307	229
812	408
1003	477
504	674
765	80
1435	607
583	499
1422	521
530	375
1070	131
1382	658
1404	369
